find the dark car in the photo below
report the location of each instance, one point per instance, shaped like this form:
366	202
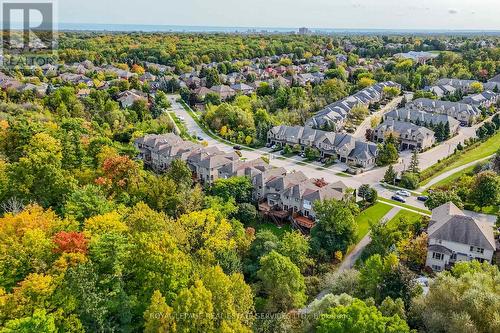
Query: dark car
237	148
398	198
422	198
199	138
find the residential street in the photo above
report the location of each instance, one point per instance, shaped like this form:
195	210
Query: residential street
331	174
366	124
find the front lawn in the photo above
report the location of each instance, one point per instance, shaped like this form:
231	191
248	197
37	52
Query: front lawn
411	216
373	214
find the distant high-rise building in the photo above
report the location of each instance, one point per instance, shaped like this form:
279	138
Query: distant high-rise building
304	31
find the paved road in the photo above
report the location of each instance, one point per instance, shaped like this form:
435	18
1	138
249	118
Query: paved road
446	174
366	124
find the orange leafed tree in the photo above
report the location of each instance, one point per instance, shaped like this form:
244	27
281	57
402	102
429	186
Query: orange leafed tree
70	242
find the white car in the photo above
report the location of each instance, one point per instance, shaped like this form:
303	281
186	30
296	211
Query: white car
403	193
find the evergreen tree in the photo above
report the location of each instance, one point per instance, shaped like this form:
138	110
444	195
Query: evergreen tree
390	175
414	163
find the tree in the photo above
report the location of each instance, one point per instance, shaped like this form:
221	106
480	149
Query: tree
359	317
443	310
414	166
410	180
70	242
438	198
390	175
388	152
282	283
486	189
39	322
158	316
296	247
335	229
476	87
86	202
213	78
237	188
194	310
387	277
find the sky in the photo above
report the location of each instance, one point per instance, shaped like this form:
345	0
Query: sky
340	14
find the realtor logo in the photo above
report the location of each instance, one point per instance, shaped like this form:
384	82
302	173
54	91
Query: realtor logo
28	31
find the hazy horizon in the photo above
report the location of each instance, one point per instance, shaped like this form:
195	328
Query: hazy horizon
425	15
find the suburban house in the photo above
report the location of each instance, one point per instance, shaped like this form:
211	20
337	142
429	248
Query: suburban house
466	114
410	135
455	237
292	196
484	99
207	163
422	118
223	91
442	90
334	115
242	88
342	146
128	97
463	85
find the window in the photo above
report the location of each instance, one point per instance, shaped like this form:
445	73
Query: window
306	213
436	268
437	256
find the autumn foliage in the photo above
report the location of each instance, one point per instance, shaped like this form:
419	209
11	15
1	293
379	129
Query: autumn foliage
70	242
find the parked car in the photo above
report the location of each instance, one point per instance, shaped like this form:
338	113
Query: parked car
403	193
423	198
398	198
237	147
199	138
303	155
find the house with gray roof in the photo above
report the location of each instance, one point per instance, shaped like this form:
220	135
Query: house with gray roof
344	147
419	57
410	135
422	118
334	116
484	99
466	114
455	237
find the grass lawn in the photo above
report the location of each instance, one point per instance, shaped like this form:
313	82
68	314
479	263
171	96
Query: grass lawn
279	232
453	177
343	174
485	149
374	214
424	211
411	216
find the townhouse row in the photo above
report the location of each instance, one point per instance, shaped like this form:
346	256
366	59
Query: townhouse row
343	147
333	117
282	196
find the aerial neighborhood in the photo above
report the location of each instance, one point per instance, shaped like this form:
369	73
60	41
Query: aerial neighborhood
251	181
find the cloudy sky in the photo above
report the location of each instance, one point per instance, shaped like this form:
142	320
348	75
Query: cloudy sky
354	14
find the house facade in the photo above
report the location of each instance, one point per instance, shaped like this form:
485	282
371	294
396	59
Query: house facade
342	146
410	136
466	114
455	237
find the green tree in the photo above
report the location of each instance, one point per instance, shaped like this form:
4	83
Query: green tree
410	180
87	202
438	198
486	189
158	316
359	317
335	229
238	188
443	310
194	310
282	283
390	175
296	247
414	166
